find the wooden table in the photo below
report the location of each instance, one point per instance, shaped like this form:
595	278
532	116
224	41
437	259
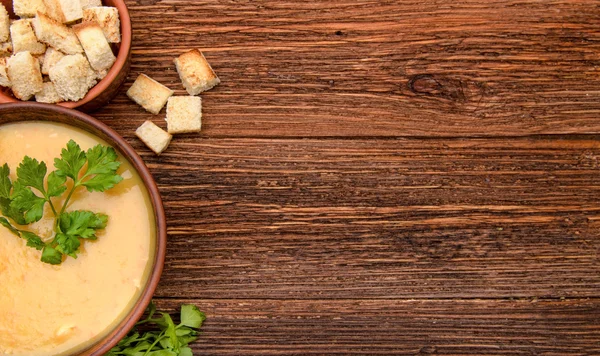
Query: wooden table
381	177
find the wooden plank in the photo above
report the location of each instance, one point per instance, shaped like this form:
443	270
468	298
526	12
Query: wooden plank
392	327
376	68
392	218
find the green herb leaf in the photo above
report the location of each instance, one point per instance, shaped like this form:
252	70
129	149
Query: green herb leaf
71	160
102	160
12	213
102	182
82	223
167	340
24	200
56	185
192	316
51	256
31	173
5	183
33	240
7	225
67	244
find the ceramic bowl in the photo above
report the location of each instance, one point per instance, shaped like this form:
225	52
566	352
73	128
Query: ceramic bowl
108	87
24	111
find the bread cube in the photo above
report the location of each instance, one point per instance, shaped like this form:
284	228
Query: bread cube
149	94
95	45
64	11
48	94
153	136
4	81
86	4
184	114
23	38
108	19
28	8
72	77
50	59
6	49
24	74
4	24
195	72
56	34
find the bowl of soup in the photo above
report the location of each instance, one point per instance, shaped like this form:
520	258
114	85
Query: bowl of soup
84	305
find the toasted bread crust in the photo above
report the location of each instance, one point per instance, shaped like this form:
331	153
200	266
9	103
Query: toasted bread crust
149	94
72	77
153	136
184	114
24	39
95	45
108	19
56	34
24	74
195	72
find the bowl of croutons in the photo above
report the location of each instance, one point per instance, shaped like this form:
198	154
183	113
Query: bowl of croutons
72	53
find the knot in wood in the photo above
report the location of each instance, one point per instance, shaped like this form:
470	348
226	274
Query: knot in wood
443	87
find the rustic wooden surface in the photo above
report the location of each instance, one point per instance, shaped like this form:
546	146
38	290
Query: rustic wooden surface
381	177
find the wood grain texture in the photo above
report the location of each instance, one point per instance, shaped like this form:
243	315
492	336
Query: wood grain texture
381	177
378	68
392	327
380	218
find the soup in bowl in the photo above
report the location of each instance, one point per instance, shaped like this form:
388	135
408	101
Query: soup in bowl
82	305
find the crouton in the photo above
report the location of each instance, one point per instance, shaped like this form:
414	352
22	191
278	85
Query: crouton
4	81
48	94
149	94
95	45
28	8
195	72
184	114
56	34
24	74
4	24
50	59
153	136
72	77
23	38
6	49
64	11
101	74
86	4
108	19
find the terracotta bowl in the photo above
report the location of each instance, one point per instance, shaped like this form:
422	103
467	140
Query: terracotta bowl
108	87
24	111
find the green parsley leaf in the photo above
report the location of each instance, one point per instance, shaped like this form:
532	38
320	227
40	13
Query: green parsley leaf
24	200
71	160
56	185
33	240
82	223
102	160
192	316
5	183
67	244
12	213
22	205
31	173
168	340
7	225
102	182
51	256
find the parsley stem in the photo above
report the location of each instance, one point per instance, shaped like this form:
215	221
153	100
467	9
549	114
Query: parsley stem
52	207
75	185
162	336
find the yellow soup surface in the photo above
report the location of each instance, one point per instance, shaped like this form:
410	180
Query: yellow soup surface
57	310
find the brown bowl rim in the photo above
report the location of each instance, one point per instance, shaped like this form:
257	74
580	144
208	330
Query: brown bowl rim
89	124
111	76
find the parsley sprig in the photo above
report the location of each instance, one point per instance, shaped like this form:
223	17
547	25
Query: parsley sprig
22	202
168	340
